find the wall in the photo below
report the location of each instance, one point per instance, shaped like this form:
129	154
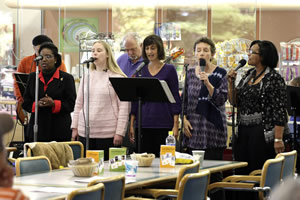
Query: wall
51	25
280	26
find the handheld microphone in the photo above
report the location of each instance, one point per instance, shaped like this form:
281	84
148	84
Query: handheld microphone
139	68
91	59
38	58
202	64
241	64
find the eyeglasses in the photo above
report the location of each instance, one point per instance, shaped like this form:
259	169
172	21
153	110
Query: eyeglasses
47	56
252	52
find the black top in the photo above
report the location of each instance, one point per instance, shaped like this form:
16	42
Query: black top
51	126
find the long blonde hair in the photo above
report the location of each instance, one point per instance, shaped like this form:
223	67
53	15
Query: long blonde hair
111	62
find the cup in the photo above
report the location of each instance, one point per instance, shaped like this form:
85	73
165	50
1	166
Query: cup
198	155
131	168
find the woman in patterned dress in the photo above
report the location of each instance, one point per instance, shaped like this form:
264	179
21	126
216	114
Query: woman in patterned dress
205	125
261	101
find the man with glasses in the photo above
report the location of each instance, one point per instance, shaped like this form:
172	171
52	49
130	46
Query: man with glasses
130	60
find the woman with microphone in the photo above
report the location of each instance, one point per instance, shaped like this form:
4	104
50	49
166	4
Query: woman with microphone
261	102
108	116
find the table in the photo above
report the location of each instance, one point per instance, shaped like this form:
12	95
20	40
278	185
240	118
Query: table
146	176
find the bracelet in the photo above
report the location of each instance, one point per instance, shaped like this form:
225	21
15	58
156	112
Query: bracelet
277	140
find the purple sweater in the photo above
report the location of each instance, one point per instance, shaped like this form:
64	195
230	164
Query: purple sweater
126	64
160	115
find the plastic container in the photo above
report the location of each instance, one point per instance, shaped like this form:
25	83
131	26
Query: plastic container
171	140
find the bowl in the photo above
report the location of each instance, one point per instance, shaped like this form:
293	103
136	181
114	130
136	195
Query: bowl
145	160
83	170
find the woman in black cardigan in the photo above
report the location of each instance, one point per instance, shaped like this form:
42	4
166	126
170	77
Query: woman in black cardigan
56	98
261	101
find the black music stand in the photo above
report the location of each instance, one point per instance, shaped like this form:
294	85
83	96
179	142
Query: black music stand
21	79
293	107
141	90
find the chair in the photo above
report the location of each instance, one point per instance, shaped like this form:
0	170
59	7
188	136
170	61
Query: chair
289	166
114	187
77	148
270	176
187	169
32	165
95	192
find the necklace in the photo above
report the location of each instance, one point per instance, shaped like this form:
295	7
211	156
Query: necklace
259	75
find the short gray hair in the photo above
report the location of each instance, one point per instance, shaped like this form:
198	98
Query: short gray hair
134	36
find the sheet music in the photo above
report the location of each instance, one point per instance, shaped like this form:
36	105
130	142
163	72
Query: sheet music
167	91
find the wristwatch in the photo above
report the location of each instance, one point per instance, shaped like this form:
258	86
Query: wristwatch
277	140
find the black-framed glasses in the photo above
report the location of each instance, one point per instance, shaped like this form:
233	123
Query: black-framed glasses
252	52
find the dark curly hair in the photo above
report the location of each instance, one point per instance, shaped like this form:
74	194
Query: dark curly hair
53	48
40	39
267	52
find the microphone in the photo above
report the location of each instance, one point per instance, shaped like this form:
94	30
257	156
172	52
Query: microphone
91	59
241	64
38	58
202	64
139	68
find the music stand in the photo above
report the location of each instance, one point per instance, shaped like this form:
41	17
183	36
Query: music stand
141	90
293	106
21	79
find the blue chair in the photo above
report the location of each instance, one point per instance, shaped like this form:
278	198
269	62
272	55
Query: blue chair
77	148
271	174
95	192
114	187
194	186
155	193
31	165
289	166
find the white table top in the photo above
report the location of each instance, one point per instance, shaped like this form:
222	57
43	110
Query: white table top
64	178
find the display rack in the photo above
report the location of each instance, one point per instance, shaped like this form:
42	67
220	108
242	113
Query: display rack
289	59
86	44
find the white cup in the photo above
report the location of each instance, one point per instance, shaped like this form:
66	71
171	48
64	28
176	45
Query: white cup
131	167
198	155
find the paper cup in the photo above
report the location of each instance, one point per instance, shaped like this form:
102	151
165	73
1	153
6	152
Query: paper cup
198	155
131	168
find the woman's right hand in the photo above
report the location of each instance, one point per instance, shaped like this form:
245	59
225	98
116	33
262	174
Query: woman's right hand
231	75
74	134
131	134
187	128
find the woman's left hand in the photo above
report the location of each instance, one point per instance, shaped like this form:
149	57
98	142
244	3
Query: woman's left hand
46	102
118	140
279	147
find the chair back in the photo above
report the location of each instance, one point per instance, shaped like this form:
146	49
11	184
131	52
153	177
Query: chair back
95	192
187	169
77	148
114	187
289	166
31	165
194	186
271	173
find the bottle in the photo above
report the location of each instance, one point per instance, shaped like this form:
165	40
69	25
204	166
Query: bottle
171	140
